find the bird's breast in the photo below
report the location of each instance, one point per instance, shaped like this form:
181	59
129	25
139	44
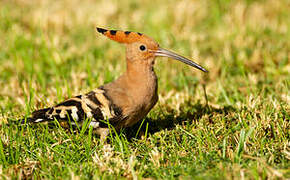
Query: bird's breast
142	102
135	92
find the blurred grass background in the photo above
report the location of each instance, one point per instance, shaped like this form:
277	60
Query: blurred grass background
49	51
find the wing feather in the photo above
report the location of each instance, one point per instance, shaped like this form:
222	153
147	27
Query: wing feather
95	104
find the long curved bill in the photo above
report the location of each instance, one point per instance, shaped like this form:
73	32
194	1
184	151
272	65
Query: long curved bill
166	53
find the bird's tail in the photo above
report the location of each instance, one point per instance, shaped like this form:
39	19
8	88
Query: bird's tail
37	117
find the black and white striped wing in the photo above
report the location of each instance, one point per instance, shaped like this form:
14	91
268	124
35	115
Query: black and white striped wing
95	105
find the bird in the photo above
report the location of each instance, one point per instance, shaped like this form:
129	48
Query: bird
120	103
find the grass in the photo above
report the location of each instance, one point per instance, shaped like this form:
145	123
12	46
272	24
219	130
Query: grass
232	123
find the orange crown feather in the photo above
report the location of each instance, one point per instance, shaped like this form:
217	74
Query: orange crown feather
123	36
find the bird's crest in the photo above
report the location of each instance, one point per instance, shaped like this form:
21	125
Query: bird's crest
126	37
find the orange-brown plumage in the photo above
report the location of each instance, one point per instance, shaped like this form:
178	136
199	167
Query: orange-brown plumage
124	101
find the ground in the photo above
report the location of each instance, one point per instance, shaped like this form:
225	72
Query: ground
232	122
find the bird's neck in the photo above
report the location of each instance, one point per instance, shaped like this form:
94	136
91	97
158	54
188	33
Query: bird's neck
141	77
135	92
138	81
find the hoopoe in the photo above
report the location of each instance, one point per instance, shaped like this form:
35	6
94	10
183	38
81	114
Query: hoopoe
122	102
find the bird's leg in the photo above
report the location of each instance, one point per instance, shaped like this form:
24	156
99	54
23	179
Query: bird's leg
103	132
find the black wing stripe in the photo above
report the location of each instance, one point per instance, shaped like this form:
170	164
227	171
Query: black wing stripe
97	113
92	97
115	110
78	105
50	111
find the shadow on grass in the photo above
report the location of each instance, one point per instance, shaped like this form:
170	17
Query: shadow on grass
189	113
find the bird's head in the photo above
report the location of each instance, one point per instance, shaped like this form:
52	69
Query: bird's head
142	48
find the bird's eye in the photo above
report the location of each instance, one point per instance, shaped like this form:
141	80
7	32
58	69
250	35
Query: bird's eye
142	48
